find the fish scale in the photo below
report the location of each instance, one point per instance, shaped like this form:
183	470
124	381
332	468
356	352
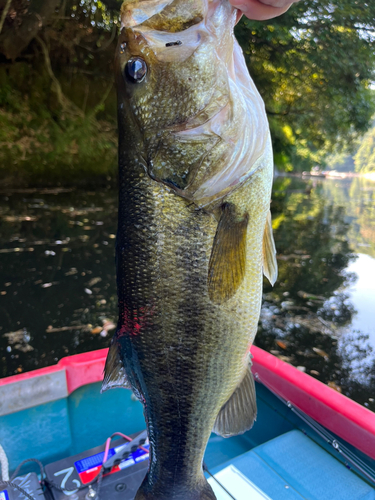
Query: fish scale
189	273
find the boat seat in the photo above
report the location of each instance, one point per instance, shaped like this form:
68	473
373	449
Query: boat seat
293	467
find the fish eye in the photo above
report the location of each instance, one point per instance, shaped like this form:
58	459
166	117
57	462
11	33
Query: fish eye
136	70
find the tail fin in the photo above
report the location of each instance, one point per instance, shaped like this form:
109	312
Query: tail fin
201	492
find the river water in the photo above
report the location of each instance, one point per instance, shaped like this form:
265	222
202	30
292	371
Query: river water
58	294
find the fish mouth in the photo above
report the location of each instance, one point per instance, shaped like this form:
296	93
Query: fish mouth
163	15
135	13
169	47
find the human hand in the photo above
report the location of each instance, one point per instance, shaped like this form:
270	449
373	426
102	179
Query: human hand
260	10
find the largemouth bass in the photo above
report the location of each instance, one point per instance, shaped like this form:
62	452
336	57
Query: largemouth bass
194	235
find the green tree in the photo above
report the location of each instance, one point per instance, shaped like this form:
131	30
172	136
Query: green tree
57	98
313	67
365	158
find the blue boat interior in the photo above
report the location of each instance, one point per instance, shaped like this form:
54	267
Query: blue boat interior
281	455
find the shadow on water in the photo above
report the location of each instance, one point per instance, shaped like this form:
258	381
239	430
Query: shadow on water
58	293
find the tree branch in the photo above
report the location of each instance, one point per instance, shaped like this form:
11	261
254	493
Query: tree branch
4	14
97	108
65	103
105	45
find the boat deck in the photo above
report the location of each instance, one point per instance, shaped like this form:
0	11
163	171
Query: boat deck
284	456
293	467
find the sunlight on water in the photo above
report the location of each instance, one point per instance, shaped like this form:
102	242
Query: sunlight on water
362	295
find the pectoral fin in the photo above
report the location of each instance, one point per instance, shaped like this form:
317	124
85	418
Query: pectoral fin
114	372
269	252
227	264
240	411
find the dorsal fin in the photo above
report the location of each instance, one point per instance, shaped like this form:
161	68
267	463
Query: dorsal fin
269	252
227	265
114	372
240	411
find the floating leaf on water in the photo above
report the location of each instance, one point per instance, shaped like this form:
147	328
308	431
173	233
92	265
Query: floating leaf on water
334	386
293	256
14	337
281	344
46	285
16	250
320	352
108	325
314	372
310	296
287	304
88	291
94	281
19	339
103	330
3	292
287	359
24	347
71	271
275	352
50	328
19	218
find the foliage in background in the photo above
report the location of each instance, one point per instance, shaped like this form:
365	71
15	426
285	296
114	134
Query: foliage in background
365	156
358	157
307	315
57	98
313	67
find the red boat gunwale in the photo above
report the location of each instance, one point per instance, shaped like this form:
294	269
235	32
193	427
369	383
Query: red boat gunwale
336	412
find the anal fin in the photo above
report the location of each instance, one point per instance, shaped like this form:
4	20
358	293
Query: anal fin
114	372
227	264
269	252
240	411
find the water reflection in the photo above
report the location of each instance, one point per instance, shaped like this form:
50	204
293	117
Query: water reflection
57	284
308	318
362	294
